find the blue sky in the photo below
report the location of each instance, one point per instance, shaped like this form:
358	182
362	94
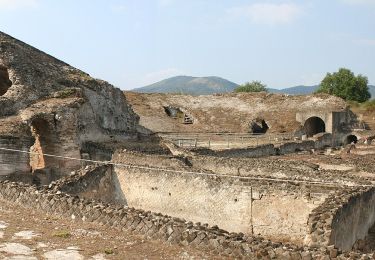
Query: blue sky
131	43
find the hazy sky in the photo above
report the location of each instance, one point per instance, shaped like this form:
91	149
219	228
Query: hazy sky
131	43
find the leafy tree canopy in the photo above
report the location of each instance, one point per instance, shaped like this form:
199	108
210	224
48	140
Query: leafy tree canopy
254	86
346	85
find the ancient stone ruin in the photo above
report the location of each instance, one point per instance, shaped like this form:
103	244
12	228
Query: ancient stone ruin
254	181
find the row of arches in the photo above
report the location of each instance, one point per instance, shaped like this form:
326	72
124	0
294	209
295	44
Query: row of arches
315	125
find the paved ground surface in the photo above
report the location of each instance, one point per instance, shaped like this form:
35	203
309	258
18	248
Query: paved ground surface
26	234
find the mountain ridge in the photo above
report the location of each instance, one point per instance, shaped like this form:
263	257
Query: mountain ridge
213	84
190	85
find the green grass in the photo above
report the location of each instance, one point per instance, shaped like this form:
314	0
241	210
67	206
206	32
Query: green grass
368	106
68	92
62	234
108	251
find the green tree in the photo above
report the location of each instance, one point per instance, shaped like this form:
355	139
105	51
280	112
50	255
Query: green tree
346	85
254	86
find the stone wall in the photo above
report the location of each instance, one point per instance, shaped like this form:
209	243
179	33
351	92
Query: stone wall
292	147
159	226
63	107
14	162
152	225
236	203
257	151
342	219
269	149
92	182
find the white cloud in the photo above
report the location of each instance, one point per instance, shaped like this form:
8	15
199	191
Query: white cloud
156	76
268	13
368	42
16	4
359	2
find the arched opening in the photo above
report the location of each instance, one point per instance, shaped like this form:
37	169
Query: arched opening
174	112
258	126
314	125
5	82
45	143
351	139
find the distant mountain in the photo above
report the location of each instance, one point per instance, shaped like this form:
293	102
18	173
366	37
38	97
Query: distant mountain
190	85
297	90
211	85
305	90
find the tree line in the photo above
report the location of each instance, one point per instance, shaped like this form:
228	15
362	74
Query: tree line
343	83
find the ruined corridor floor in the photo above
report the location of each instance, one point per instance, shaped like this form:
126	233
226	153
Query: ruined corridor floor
30	235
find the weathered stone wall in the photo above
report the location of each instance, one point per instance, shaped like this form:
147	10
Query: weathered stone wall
257	151
270	149
292	147
62	106
93	182
236	203
152	225
162	227
342	219
14	162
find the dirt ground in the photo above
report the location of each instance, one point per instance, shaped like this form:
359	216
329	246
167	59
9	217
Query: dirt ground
30	235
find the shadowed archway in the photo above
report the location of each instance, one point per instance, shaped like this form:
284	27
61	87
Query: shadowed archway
351	139
314	125
5	82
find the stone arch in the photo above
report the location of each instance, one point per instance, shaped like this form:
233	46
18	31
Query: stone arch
350	139
45	143
258	126
314	125
5	82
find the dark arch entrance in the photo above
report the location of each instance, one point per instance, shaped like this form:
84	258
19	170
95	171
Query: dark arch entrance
258	126
314	125
351	139
5	82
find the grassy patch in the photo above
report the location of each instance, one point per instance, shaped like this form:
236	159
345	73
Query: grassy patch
65	93
62	234
368	106
108	251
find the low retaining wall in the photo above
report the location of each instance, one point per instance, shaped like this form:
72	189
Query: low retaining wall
342	219
293	147
152	225
267	149
253	152
240	204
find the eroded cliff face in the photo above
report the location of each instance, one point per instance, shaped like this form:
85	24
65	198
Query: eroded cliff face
55	109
